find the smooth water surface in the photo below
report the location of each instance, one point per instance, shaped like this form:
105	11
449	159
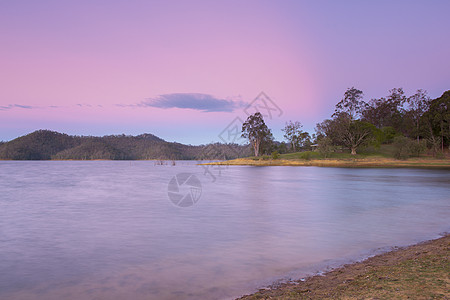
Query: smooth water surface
108	230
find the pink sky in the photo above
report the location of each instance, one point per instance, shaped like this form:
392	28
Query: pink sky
83	68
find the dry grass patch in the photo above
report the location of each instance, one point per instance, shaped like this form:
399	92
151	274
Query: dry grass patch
344	163
417	272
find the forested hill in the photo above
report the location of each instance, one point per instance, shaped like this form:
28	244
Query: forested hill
47	145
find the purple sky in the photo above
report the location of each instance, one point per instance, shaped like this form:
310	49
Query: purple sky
183	70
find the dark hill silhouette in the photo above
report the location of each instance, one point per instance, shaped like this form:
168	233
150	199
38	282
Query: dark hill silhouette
39	145
46	145
92	148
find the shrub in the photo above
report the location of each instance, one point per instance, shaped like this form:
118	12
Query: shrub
325	146
275	155
418	148
305	155
389	134
405	147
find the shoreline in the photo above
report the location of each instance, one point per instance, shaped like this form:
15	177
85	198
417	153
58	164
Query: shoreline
418	271
340	163
421	163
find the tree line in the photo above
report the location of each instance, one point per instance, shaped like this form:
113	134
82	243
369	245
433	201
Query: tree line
411	123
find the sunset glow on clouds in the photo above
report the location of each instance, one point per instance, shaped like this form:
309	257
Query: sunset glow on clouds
184	69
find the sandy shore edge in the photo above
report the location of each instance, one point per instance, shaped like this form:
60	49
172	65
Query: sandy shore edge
420	271
342	163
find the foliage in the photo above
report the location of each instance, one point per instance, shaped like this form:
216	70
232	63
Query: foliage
325	146
343	131
41	144
405	147
294	135
44	145
395	121
345	128
386	111
356	123
257	132
436	122
267	145
94	148
352	103
280	147
389	133
275	155
385	135
418	103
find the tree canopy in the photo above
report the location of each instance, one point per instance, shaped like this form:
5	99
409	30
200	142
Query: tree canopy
257	132
294	134
353	124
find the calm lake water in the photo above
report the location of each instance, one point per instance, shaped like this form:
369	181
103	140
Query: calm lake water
109	230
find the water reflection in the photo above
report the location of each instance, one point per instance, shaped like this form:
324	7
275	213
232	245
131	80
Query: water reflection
107	230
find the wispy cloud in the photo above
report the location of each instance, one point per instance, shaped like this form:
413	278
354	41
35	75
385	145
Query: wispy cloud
84	105
201	102
196	101
11	106
20	106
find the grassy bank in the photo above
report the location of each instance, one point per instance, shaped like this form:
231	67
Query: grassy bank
417	272
381	158
344	163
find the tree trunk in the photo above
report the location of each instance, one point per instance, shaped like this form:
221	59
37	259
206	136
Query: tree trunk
432	138
256	147
418	138
353	150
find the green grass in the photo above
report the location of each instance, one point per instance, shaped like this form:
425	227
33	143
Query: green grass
302	155
380	157
384	151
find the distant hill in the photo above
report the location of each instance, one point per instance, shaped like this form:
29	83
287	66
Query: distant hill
39	145
93	148
46	145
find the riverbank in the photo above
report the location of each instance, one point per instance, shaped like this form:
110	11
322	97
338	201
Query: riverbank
420	271
342	163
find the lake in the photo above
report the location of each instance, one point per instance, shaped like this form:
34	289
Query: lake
138	230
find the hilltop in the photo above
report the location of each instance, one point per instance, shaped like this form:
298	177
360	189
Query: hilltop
48	145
